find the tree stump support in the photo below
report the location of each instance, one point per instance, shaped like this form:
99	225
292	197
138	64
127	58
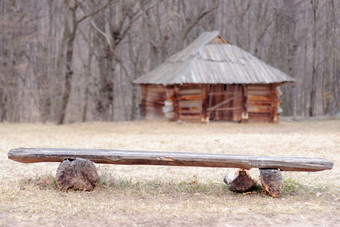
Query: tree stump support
77	174
271	180
239	180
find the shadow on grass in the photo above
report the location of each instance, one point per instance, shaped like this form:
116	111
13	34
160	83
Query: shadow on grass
43	182
159	186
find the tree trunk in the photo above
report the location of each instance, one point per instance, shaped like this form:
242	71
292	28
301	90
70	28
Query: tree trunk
68	81
312	103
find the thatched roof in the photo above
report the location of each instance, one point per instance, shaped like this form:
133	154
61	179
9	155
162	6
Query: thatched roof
204	63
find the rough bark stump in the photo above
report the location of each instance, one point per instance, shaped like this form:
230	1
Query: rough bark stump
271	180
77	174
239	180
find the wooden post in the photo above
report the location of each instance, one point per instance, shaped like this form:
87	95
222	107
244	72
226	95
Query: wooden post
176	102
276	104
205	114
244	117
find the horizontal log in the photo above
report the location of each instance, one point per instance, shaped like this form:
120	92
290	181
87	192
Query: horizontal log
227	108
190	97
191	113
191	103
258	87
32	155
190	91
188	109
223	93
260	109
261	98
260	103
190	86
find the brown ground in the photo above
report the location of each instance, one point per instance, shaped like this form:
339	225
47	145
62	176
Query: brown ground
170	196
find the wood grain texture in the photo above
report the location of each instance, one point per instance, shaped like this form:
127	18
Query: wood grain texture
262	103
78	174
32	155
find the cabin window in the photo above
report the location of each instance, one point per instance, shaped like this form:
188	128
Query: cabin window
224	87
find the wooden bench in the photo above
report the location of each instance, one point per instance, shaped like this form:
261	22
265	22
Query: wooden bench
245	162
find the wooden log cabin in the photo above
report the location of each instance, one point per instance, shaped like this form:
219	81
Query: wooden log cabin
212	80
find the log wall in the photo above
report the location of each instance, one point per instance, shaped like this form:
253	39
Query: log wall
262	103
190	102
184	102
201	103
152	101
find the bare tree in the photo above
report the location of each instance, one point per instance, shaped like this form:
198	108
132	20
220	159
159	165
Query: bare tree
314	5
71	24
55	65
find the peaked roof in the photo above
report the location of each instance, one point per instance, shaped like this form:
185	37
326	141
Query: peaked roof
204	63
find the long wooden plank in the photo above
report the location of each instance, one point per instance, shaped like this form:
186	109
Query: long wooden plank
31	155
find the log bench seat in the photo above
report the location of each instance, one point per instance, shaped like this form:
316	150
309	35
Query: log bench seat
80	162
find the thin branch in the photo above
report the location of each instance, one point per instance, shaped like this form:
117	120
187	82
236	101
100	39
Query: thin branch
107	37
186	30
94	12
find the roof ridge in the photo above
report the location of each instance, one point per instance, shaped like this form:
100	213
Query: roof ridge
200	63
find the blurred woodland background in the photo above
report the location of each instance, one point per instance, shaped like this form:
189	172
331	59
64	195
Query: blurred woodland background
75	60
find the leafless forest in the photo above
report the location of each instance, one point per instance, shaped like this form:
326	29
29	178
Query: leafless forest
75	60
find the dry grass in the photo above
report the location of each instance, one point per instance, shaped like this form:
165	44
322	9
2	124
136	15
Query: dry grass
160	195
